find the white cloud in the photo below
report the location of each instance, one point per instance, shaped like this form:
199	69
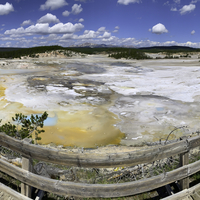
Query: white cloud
50	37
177	1
52	4
26	22
81	20
109	40
126	2
48	18
66	13
66	28
68	39
192	44
37	29
174	9
194	1
193	32
187	9
106	35
159	29
43	29
67	36
116	29
6	9
101	29
82	0
88	34
166	3
76	9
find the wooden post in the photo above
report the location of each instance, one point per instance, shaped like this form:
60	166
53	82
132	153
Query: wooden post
27	165
184	160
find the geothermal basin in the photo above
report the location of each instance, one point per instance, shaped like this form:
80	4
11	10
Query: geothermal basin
95	100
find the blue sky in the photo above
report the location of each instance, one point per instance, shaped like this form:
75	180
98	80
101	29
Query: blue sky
137	23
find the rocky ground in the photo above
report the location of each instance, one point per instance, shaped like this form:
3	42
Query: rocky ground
96	100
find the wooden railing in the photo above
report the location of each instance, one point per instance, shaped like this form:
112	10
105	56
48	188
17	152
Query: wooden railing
97	160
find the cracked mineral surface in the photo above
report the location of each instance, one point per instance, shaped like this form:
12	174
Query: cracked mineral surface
95	100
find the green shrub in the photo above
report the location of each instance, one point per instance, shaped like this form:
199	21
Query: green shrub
23	127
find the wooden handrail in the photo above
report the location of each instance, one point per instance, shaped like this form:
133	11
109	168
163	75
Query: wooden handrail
98	160
13	193
98	190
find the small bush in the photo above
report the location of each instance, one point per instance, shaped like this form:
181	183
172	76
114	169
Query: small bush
23	127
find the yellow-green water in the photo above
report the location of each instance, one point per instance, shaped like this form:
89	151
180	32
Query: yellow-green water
85	128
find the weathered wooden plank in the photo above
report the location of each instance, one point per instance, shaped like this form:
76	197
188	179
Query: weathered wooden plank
93	160
97	190
12	193
193	168
194	142
184	193
178	196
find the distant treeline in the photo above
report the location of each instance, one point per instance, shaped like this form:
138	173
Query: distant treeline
26	51
115	52
169	49
129	54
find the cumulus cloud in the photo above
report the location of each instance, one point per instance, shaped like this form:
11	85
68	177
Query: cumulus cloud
65	28
26	23
88	34
76	9
6	8
159	29
67	36
193	32
177	1
106	35
82	0
166	3
187	9
68	39
52	4
48	18
43	29
101	33
126	2
174	9
102	29
81	20
116	29
66	13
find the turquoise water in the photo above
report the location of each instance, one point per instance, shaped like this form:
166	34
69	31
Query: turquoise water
50	121
159	108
